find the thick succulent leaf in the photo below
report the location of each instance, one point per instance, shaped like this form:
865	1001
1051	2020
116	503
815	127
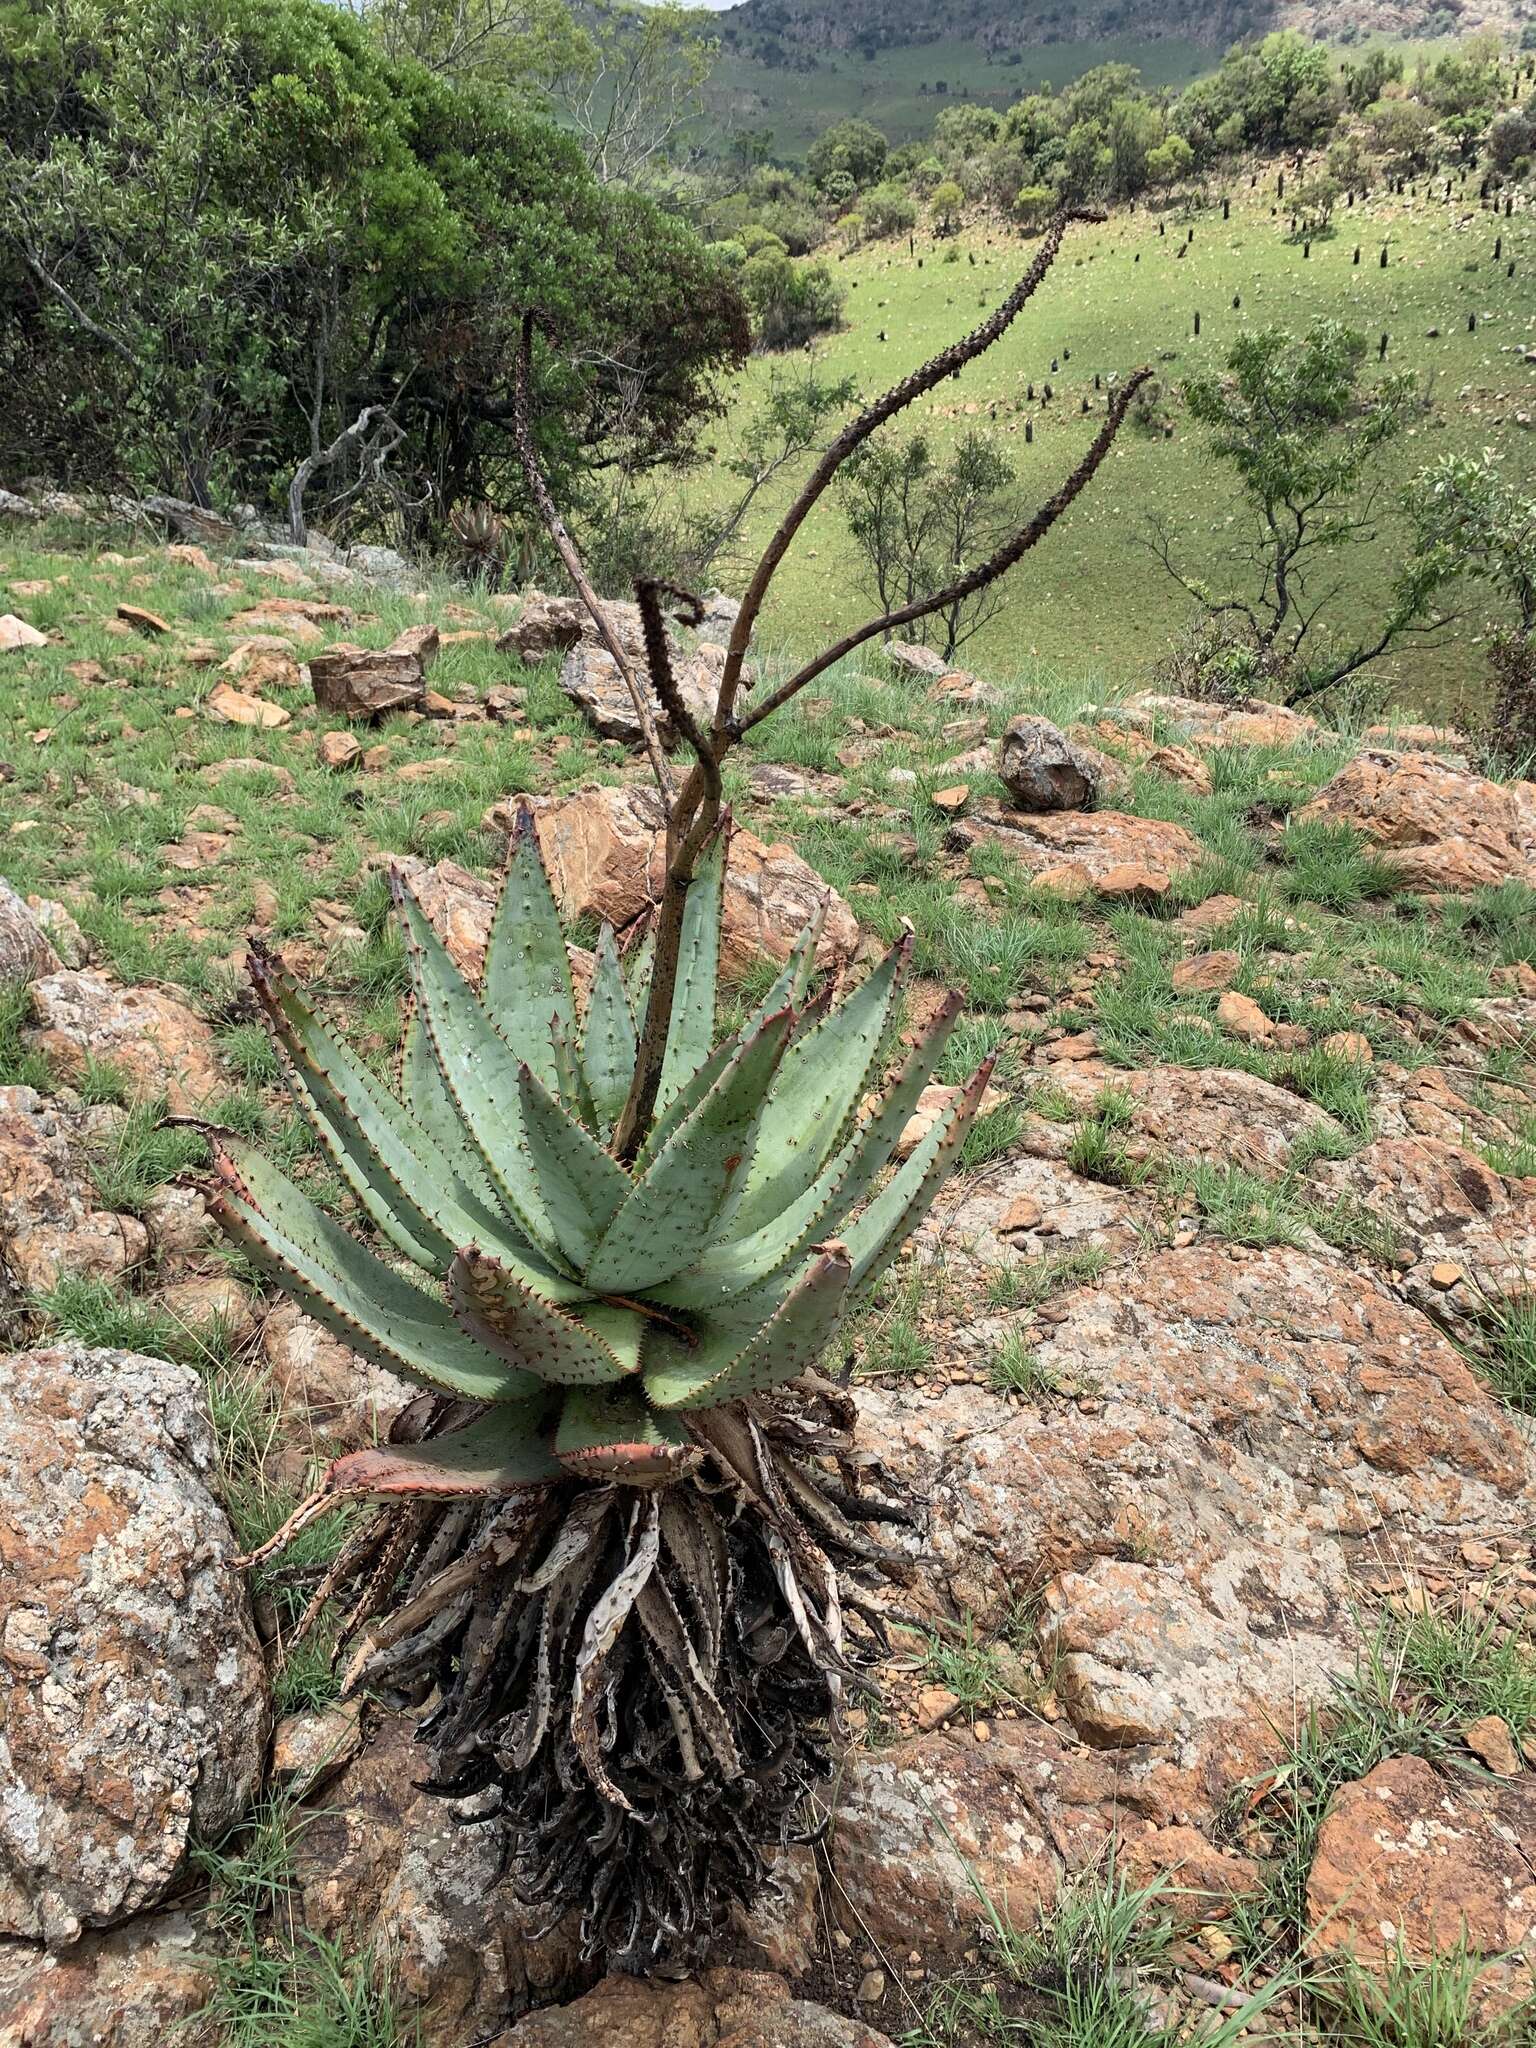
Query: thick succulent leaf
389	1161
527	982
502	1452
676	1205
609	1043
734	1265
825	1076
422	1089
794	977
582	1187
571	1090
368	1304
885	1225
498	1311
639	956
691	1026
726	1368
610	1433
687	1100
481	1072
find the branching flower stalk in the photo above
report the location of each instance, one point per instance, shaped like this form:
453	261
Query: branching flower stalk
624	1556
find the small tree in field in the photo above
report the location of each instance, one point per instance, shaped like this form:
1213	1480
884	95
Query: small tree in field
1303	436
1474	523
948	199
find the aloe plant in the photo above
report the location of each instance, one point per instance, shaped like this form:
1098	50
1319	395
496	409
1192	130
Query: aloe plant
623	1555
601	1345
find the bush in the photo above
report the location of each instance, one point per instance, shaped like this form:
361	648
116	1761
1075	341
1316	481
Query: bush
888	211
790	301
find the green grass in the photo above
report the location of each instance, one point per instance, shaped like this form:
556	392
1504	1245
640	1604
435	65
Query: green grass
969	1668
1088	602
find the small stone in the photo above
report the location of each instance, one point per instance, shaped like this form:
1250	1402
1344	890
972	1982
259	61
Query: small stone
339	750
1242	1016
226	705
871	1988
951	801
1491	1742
1349	1045
1445	1276
935	1704
311	1747
1207	971
149	623
16	633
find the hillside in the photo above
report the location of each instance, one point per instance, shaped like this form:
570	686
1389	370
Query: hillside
794	32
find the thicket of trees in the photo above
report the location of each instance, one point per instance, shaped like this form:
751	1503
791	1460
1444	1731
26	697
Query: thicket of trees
232	230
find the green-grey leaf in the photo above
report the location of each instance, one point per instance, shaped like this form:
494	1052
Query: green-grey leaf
501	1452
527	982
583	1188
724	1368
691	1027
884	1227
509	1318
609	1043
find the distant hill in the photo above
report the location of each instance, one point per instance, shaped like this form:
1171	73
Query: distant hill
790	32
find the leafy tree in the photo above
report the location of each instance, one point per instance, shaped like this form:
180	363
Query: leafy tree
527	46
229	228
1474	523
1511	139
1034	205
947	201
1366	80
888	210
855	147
1172	160
1314	200
1402	132
918	521
1303	438
790	301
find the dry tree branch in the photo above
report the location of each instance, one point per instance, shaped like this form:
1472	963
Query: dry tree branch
559	533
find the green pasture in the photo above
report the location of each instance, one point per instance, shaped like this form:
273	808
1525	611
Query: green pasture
1093	600
886	89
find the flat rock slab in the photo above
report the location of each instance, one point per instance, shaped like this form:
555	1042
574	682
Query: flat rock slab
1443	828
1097	852
1220	1114
720	2009
51	1219
157	1042
1426	1859
133	1693
139	1986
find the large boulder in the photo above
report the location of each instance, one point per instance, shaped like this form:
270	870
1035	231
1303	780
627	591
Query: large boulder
1246	1431
605	852
1043	770
52	1222
25	949
157	1042
1418	1861
590	677
133	1696
1443	828
1103	853
720	2009
390	1866
138	1986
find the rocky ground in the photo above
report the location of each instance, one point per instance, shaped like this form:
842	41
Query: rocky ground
1213	1377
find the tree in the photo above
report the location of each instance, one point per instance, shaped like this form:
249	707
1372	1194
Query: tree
1314	200
1034	204
1303	436
790	301
1511	140
854	147
1171	161
920	521
1473	523
888	210
526	46
947	201
1403	132
641	82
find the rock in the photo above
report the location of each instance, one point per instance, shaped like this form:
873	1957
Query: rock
380	565
771	782
916	660
1201	1881
12	507
423	641
604	851
951	802
1182	765
132	1687
1211	725
1453	1219
217	1304
147	623
1491	1742
1043	770
1090	850
504	704
1242	1017
1415	1861
1261	1425
339	750
366	684
327	1390
387	1865
1443	828
1219	1114
720	2009
139	1986
1026	1206
936	1101
51	1219
1353	1046
160	1045
226	705
311	1748
1206	971
178	1221
590	677
16	633
61	931
260	667
25	952
935	1705
545	626
1414	739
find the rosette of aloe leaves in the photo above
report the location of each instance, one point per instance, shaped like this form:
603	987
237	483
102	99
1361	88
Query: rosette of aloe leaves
621	1554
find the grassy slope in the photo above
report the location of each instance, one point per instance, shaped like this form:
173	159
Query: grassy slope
1090	599
797	105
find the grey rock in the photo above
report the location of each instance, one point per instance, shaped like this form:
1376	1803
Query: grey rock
25	951
1045	771
133	1693
12	507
